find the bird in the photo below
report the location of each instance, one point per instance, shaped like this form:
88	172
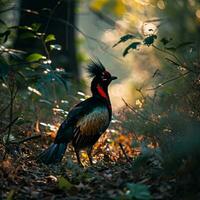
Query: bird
86	121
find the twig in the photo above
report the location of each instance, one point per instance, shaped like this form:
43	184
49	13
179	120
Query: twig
155	20
18	143
46	28
143	117
45	47
104	17
168	81
4	109
140	91
123	151
51	15
169	53
171	61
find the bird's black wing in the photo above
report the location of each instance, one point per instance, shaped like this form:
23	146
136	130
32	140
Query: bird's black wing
66	130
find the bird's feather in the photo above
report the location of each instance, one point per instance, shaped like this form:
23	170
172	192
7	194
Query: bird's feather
76	115
95	68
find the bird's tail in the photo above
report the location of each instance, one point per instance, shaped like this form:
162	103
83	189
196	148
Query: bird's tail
53	154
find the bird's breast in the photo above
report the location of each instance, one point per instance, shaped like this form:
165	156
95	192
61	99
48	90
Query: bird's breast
96	122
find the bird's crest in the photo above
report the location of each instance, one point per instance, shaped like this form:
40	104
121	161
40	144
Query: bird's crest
95	68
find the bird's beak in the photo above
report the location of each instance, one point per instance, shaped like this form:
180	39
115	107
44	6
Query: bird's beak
113	78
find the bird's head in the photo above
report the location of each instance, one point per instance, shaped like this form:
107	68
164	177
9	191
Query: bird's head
101	78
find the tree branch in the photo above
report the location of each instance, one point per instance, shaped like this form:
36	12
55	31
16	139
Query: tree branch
25	139
124	152
10	124
168	81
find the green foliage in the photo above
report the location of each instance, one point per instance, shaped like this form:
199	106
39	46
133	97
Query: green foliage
56	47
124	39
50	38
35	57
31	76
149	40
64	184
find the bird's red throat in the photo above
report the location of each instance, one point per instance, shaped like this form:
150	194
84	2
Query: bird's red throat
102	92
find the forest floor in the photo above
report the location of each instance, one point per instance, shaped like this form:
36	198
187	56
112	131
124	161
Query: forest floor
23	177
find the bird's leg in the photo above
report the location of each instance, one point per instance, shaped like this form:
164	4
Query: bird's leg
89	152
78	157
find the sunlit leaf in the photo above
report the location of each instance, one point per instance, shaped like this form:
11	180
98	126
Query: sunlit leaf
124	39
64	184
35	57
149	40
56	47
133	46
50	38
35	91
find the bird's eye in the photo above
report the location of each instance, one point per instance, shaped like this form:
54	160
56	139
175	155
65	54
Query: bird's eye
105	76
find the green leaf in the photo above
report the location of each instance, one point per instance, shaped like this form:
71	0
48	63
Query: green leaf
149	40
50	38
35	57
64	184
138	191
124	39
27	34
35	26
133	45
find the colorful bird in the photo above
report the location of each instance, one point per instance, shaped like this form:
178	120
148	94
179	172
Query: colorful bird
86	121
